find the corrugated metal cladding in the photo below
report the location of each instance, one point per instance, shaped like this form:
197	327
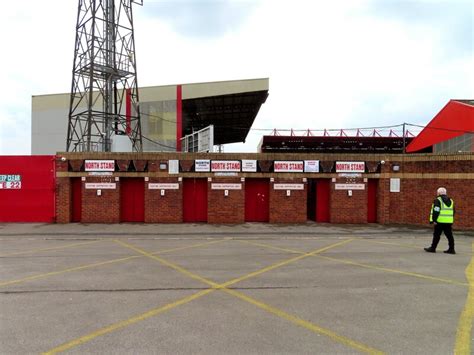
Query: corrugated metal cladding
27	188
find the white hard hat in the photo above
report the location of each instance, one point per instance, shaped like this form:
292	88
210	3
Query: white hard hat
441	191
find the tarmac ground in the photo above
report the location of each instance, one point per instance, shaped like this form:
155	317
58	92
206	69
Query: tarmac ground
233	289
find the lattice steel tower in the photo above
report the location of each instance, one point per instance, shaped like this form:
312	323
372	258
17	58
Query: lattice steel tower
104	92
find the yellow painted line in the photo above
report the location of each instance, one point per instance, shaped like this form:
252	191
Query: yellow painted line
421	276
83	267
305	324
189	246
463	333
127	322
407	245
433	278
283	263
272	247
52	248
167	263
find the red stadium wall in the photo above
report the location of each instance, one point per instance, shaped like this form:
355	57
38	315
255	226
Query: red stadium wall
29	195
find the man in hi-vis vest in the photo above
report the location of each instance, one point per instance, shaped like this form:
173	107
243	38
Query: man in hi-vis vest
442	215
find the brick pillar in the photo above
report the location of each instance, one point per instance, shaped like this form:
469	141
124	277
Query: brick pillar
104	208
226	209
288	209
63	200
167	208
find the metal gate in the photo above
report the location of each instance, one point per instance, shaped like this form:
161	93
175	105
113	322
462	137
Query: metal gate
132	200
372	201
195	200
322	200
257	202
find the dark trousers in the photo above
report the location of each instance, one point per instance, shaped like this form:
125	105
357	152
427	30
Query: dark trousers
448	232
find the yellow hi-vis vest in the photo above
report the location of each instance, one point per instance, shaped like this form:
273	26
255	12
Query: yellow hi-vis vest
446	214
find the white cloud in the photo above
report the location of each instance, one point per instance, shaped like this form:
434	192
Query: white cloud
330	64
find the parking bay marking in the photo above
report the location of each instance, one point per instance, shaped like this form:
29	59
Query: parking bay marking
223	287
87	266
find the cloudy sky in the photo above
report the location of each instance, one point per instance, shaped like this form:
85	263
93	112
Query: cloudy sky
331	64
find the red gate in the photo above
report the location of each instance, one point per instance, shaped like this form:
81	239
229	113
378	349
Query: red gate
372	201
195	200
76	203
27	188
322	200
257	201
132	200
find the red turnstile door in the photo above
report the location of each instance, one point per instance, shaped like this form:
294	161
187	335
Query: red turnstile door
76	203
322	200
195	200
132	200
257	200
372	201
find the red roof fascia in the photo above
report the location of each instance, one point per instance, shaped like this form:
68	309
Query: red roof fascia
454	119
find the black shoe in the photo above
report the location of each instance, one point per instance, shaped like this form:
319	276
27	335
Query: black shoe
430	250
449	251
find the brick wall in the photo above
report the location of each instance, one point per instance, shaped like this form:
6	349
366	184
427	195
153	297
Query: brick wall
345	208
413	203
63	200
167	208
288	209
104	208
226	209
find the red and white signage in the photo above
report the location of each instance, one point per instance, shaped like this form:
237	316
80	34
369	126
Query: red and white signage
288	186
288	166
249	166
350	167
225	165
349	186
202	165
163	186
99	165
226	186
101	185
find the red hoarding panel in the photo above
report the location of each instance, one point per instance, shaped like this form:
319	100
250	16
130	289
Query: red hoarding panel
195	200
27	188
322	200
132	200
257	203
372	201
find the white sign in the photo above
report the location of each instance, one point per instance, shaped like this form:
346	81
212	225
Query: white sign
201	165
10	185
394	185
100	173
311	166
225	165
99	165
350	167
163	186
226	186
288	186
350	186
288	166
101	185
249	166
173	166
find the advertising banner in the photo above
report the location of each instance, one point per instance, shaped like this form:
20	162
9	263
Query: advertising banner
311	166
249	166
202	165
